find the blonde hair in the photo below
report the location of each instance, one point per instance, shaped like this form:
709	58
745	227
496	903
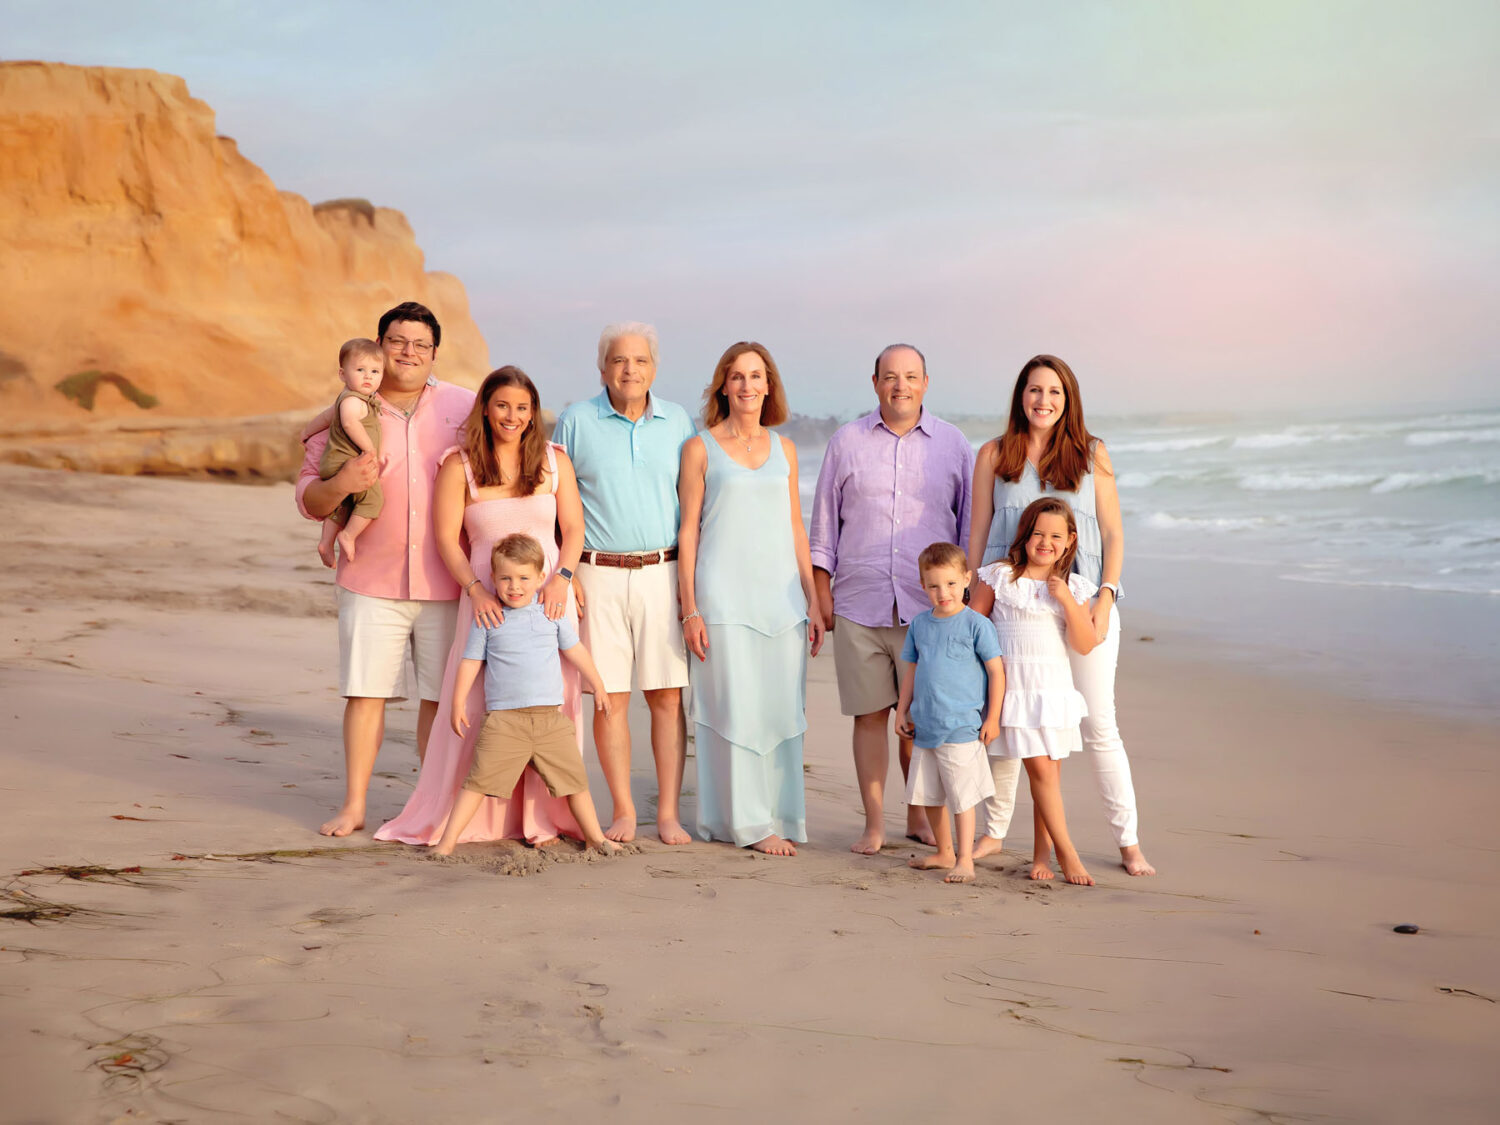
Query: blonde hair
360	346
773	408
519	548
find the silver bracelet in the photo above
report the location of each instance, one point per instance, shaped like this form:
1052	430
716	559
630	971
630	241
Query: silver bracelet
688	617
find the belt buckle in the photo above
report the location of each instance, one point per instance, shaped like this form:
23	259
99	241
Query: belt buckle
633	562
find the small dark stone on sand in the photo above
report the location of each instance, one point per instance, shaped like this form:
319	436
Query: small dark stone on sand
1408	928
1148	638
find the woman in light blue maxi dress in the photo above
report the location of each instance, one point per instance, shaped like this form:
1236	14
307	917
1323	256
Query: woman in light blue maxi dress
746	577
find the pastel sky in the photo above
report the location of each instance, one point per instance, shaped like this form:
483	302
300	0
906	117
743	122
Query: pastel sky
1198	205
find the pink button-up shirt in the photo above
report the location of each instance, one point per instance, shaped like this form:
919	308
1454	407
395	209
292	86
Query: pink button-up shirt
398	555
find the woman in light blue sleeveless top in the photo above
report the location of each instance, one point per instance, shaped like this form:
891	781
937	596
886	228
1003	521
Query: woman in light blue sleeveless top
1046	450
745	579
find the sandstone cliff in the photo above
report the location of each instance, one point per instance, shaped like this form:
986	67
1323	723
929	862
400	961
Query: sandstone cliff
151	272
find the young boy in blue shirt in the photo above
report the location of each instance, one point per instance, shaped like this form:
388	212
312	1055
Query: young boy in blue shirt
950	706
523	689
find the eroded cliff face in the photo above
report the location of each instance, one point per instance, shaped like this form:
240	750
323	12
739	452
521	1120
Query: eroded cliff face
148	269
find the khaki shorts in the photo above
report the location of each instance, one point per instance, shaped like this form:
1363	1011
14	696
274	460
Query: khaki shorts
509	740
867	660
630	625
375	636
956	774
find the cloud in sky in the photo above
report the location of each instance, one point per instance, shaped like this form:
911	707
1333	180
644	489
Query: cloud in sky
1197	205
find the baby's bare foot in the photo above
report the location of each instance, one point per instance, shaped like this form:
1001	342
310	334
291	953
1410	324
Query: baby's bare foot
1135	861
774	845
987	845
962	872
938	862
326	553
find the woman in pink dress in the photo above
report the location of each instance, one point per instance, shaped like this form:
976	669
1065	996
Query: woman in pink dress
505	478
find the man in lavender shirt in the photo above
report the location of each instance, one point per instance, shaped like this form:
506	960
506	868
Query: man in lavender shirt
891	483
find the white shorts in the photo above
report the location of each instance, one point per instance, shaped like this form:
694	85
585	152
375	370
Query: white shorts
956	774
630	625
375	636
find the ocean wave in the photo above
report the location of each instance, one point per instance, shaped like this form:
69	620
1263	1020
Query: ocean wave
1165	445
1276	441
1444	437
1165	521
1288	481
1402	482
1425	584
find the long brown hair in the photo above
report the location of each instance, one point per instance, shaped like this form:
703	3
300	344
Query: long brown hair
479	436
1034	511
1066	459
773	409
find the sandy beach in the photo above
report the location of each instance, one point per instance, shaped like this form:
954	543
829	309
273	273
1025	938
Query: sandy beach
179	945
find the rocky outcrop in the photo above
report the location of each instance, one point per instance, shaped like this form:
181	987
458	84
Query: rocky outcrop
148	268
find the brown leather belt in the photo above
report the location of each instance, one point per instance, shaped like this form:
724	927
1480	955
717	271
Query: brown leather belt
628	562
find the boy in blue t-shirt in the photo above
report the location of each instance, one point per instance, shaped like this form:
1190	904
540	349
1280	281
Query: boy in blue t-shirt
523	689
946	708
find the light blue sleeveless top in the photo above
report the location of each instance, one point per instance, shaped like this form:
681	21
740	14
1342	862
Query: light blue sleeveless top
746	572
1012	498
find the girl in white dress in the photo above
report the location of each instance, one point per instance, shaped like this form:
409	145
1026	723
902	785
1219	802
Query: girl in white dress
1040	611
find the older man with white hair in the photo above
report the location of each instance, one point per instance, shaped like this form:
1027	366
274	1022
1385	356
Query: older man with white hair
626	445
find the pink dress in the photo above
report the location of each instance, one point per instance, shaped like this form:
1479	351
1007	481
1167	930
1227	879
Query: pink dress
531	813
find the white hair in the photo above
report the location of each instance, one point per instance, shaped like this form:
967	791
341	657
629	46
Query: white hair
613	332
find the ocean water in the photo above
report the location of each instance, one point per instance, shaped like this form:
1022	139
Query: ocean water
1362	550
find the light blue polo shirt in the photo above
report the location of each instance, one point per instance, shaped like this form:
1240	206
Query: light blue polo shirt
521	667
627	471
952	687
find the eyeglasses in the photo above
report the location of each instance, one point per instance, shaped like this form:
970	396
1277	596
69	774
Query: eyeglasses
398	344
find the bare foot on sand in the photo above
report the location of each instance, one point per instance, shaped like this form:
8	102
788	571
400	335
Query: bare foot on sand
918	831
439	849
549	842
1135	861
961	873
622	831
672	832
348	820
607	846
987	845
1040	871
1075	873
870	843
346	544
938	862
774	845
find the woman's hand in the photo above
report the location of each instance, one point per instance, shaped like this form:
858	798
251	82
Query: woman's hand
578	598
487	608
815	631
554	596
695	636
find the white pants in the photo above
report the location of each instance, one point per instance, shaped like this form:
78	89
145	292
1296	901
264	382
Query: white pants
1094	676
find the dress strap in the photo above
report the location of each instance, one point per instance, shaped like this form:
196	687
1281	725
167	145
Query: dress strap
552	449
468	469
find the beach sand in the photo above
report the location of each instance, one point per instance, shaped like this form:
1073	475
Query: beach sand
171	721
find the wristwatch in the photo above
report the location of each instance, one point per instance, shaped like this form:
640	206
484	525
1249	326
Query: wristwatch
568	574
1113	588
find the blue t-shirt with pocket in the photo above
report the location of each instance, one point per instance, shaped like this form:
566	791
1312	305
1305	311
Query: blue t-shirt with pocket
521	665
952	687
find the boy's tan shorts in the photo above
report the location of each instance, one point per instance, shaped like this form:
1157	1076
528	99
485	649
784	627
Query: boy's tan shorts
542	736
867	661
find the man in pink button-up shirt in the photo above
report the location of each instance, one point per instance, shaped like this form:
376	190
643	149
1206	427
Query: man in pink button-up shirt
396	595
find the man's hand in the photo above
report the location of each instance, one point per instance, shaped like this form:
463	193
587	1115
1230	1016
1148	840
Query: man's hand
358	474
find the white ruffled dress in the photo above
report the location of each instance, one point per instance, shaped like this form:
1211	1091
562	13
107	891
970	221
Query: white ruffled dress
1042	708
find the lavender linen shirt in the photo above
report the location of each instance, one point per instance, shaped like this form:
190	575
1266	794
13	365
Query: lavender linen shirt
880	500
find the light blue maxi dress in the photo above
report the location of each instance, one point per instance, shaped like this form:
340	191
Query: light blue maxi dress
747	700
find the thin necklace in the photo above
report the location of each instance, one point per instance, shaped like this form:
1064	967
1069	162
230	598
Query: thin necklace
746	440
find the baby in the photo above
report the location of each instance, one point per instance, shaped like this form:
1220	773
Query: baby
523	689
353	425
950	704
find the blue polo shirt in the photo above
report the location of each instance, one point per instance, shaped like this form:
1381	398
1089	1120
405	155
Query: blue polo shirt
627	471
521	667
952	687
